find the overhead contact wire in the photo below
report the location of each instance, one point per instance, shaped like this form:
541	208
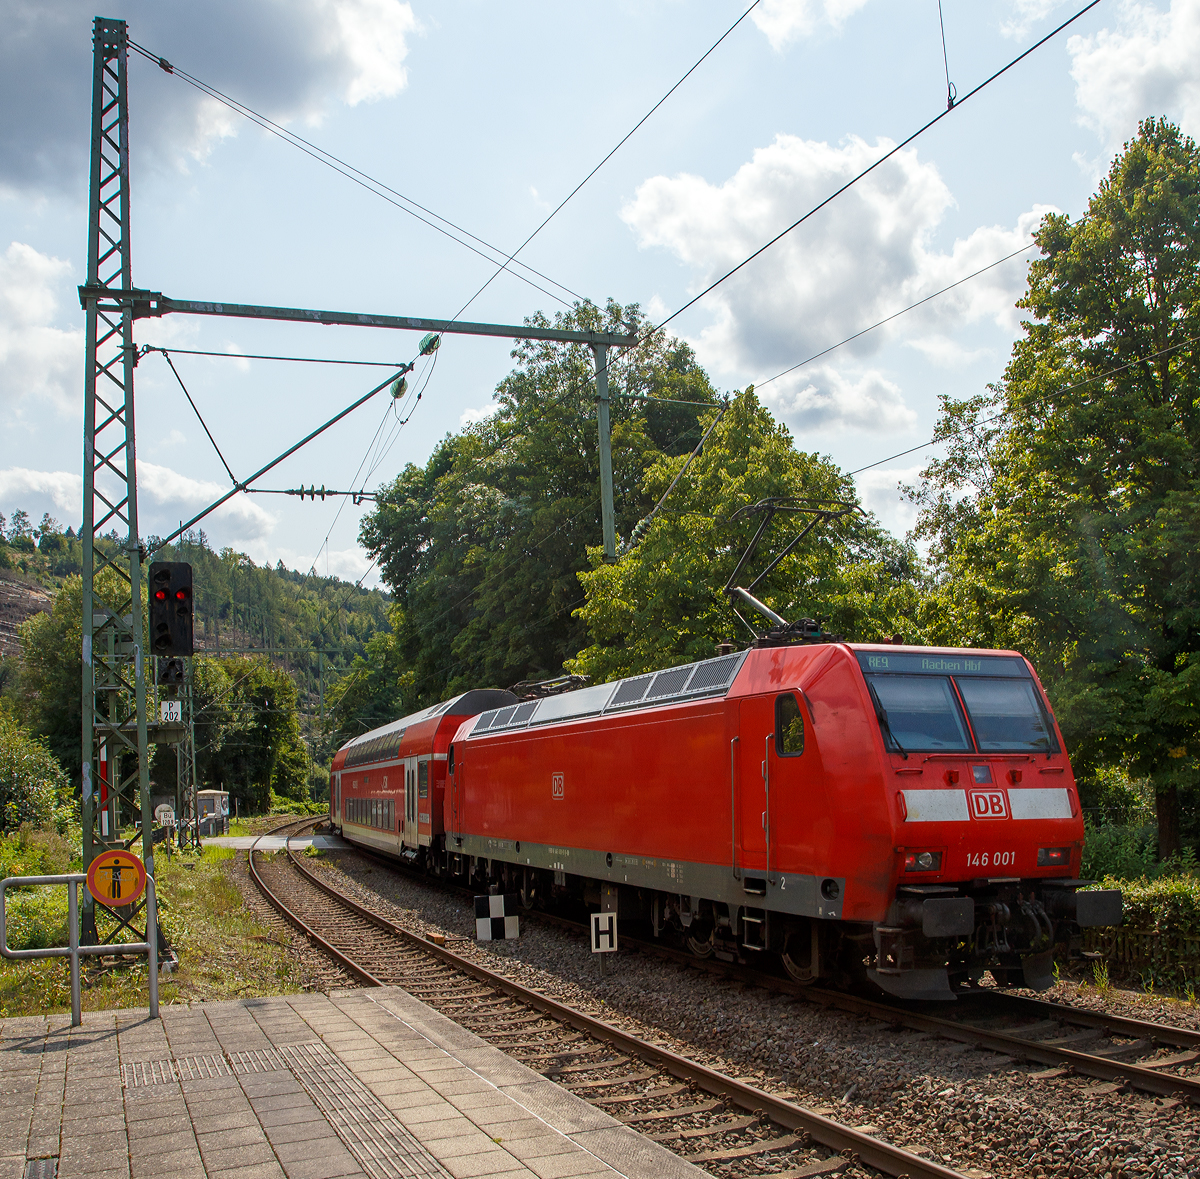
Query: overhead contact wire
199	416
867	171
629	135
356	175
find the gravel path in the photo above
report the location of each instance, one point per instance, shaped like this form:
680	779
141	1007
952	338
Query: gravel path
981	1113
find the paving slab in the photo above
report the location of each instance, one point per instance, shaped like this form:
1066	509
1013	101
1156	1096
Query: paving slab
364	1084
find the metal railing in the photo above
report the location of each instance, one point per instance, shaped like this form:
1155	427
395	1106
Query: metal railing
73	949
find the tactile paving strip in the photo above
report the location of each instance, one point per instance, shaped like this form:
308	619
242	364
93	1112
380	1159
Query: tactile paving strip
193	1068
383	1147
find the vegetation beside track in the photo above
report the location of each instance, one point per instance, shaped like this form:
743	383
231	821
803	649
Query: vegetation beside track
225	951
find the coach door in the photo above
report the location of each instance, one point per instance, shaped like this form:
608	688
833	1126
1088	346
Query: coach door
410	802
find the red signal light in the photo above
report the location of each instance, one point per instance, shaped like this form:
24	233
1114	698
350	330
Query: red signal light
182	595
160	595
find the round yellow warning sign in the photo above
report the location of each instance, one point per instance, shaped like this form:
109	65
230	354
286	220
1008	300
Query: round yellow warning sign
116	878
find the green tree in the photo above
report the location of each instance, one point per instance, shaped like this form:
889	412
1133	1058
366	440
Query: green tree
378	687
33	787
1065	519
248	737
51	680
483	545
662	602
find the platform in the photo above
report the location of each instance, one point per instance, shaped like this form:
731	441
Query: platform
369	1083
274	843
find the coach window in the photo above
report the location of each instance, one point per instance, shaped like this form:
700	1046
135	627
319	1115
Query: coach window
423	779
789	726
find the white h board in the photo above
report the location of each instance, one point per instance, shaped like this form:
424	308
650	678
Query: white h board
604	933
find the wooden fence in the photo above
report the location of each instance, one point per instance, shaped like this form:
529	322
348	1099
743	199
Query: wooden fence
1136	952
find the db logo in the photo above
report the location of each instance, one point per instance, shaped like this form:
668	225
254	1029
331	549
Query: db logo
988	804
556	785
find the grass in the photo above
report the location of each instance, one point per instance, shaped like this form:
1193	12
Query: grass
224	952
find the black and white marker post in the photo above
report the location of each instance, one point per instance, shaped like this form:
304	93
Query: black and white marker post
604	924
496	917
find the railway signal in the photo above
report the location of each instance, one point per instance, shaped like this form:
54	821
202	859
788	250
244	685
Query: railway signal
171	608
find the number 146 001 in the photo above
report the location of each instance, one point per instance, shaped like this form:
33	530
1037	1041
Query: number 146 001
999	859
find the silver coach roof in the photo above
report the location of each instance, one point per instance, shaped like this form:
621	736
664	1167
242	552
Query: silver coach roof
692	681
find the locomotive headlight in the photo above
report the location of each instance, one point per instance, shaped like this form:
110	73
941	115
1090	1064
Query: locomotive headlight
923	862
1053	857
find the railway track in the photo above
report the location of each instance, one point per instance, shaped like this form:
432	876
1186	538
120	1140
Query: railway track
1125	1053
723	1125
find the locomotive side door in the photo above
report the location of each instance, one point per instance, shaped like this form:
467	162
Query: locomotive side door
752	791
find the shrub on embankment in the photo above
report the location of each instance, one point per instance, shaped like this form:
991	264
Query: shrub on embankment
1158	941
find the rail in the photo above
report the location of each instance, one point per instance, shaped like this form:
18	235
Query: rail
73	949
1146	1078
873	1152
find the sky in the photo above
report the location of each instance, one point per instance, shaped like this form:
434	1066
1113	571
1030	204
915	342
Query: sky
489	115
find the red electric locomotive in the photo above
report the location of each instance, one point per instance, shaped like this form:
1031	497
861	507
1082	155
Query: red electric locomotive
909	810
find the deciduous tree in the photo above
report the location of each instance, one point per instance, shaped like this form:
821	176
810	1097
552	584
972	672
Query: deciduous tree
1066	518
662	602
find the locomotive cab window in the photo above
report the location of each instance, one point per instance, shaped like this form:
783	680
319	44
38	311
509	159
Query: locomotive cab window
919	712
789	726
1006	715
423	779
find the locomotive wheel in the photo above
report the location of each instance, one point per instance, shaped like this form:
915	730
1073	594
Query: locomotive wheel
797	957
702	947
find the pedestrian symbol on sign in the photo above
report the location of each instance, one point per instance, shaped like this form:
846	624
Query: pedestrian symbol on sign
116	877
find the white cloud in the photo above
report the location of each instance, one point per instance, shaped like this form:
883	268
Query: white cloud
242	366
1026	14
64	488
948	353
879	491
375	43
164	497
822	398
865	256
289	59
348	564
167	489
38	361
471	416
1143	68
784	21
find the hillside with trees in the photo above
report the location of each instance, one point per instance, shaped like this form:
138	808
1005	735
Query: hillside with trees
265	637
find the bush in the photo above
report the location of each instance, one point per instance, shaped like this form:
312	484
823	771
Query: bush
292	806
1169	905
33	787
1129	853
30	851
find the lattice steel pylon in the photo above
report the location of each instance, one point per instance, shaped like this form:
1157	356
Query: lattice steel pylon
114	679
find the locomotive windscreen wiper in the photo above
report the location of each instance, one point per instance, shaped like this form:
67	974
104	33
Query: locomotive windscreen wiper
881	713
